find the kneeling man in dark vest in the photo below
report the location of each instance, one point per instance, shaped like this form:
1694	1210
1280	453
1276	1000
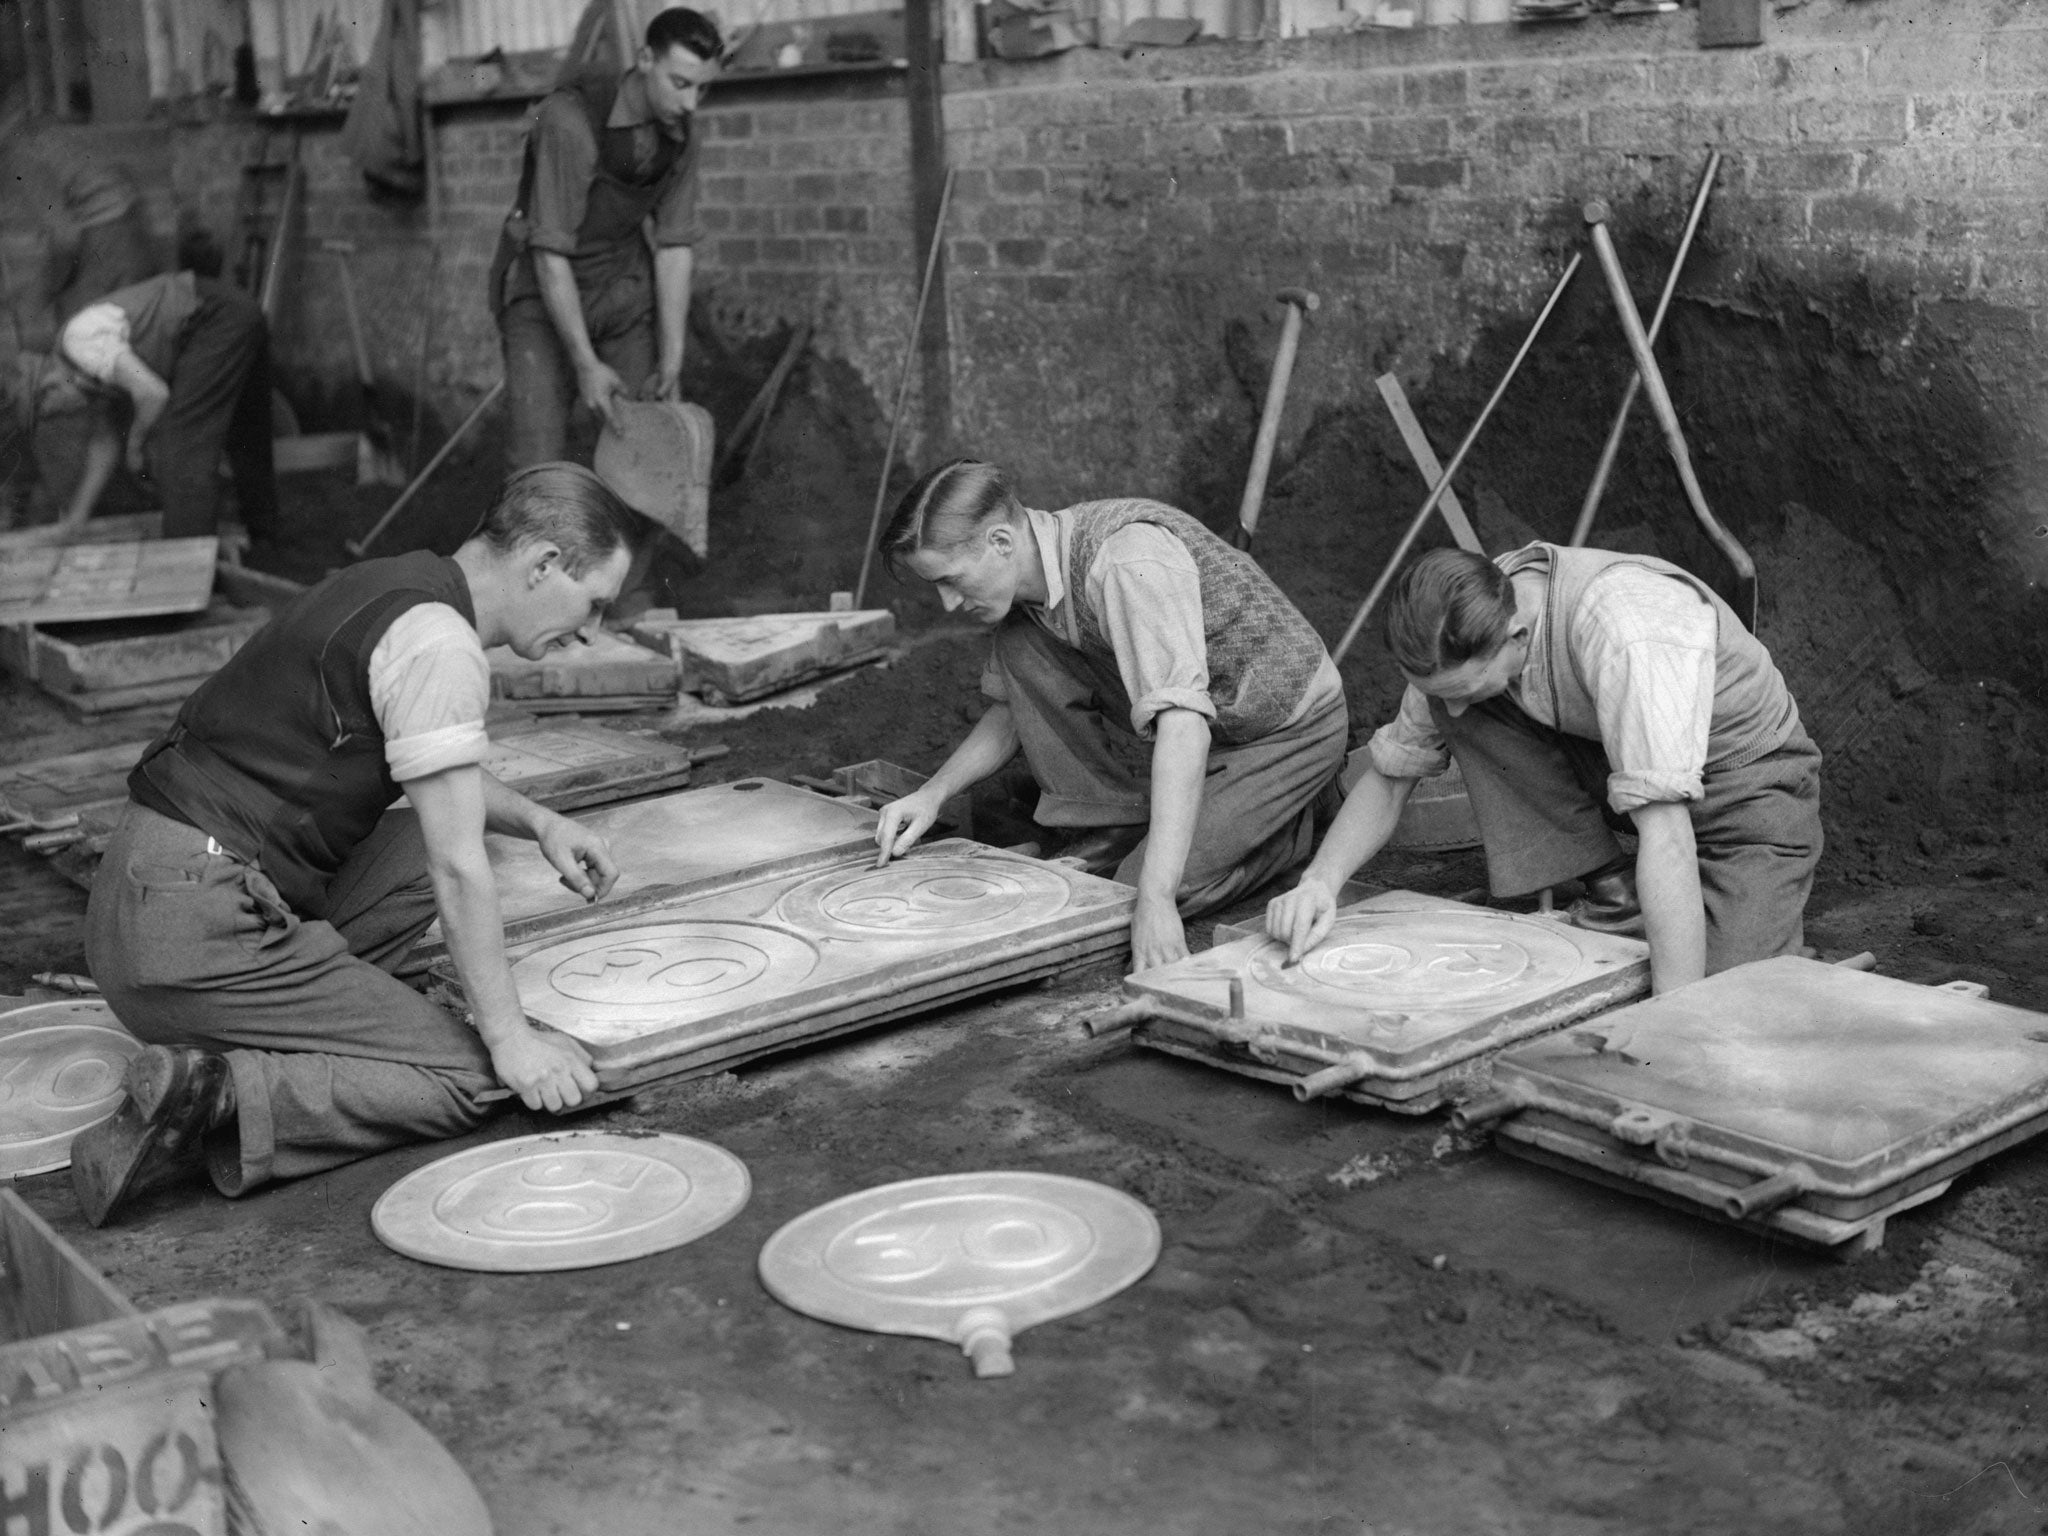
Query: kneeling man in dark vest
1584	692
260	889
1182	719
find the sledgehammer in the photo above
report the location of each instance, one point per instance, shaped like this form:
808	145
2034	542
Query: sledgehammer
1299	302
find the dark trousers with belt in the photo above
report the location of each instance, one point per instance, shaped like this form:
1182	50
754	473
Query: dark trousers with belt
220	403
540	379
333	1057
1260	798
1540	798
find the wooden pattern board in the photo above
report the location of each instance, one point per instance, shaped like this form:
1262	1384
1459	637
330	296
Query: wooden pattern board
676	842
1410	994
609	664
738	659
71	583
1871	1088
792	956
52	791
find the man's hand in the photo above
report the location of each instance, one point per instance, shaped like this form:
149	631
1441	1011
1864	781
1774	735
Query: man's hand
904	821
136	456
597	385
663	384
1301	918
579	856
547	1070
1157	936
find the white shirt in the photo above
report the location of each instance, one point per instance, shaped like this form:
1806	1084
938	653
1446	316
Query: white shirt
430	685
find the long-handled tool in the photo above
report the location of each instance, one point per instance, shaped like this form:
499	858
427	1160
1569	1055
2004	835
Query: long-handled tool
756	416
1667	413
1299	302
1424	455
1583	528
924	293
357	546
381	463
1443	486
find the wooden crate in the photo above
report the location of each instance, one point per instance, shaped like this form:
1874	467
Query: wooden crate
119	654
71	583
97	1397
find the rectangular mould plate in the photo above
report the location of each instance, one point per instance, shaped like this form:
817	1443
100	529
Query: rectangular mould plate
1417	991
763	960
673	844
1877	1087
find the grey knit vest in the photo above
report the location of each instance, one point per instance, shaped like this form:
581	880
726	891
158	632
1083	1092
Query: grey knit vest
1754	712
1262	654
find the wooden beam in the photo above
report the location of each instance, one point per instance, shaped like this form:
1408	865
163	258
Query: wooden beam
923	47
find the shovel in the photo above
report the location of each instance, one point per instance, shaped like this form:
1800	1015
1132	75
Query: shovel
656	457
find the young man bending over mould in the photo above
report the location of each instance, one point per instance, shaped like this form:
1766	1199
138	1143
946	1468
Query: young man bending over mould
1580	690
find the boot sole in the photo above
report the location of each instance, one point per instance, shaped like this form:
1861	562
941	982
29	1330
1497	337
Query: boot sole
107	1158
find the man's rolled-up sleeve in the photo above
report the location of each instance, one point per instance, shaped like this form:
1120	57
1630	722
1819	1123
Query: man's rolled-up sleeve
430	685
1145	586
564	163
1647	650
1409	746
93	340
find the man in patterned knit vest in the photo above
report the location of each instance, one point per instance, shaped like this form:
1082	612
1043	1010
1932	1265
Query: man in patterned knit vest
1581	692
260	888
584	312
1182	719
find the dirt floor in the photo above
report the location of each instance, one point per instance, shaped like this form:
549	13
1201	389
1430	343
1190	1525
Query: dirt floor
1361	1323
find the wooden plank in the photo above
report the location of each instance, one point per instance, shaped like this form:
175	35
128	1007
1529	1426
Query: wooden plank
75	582
46	1285
732	660
1426	460
121	528
50	791
110	654
152	1444
88	707
609	664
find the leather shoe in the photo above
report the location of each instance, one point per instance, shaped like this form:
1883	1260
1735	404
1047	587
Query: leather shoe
1609	905
175	1096
1099	850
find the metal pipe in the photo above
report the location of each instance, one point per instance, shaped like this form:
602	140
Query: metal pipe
1346	1072
1123	1016
1496	1104
1667	413
924	293
1766	1195
1451	469
1584	526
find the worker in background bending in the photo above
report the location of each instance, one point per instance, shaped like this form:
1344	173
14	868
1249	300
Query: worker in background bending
1181	717
186	360
584	311
259	889
1580	690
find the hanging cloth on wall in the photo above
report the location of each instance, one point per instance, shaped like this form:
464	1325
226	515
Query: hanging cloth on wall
383	132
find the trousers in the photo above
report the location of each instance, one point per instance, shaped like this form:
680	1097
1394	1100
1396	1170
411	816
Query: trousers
1540	798
220	403
1260	799
333	1058
540	380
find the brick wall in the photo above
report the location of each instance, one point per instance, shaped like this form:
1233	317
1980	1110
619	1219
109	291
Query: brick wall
1115	215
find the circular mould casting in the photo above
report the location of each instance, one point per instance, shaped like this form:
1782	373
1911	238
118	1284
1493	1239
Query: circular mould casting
562	1200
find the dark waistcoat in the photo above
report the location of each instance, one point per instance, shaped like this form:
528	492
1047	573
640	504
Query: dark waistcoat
279	756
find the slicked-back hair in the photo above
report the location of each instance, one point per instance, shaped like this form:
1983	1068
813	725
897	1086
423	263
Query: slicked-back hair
681	25
564	505
1450	607
945	509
